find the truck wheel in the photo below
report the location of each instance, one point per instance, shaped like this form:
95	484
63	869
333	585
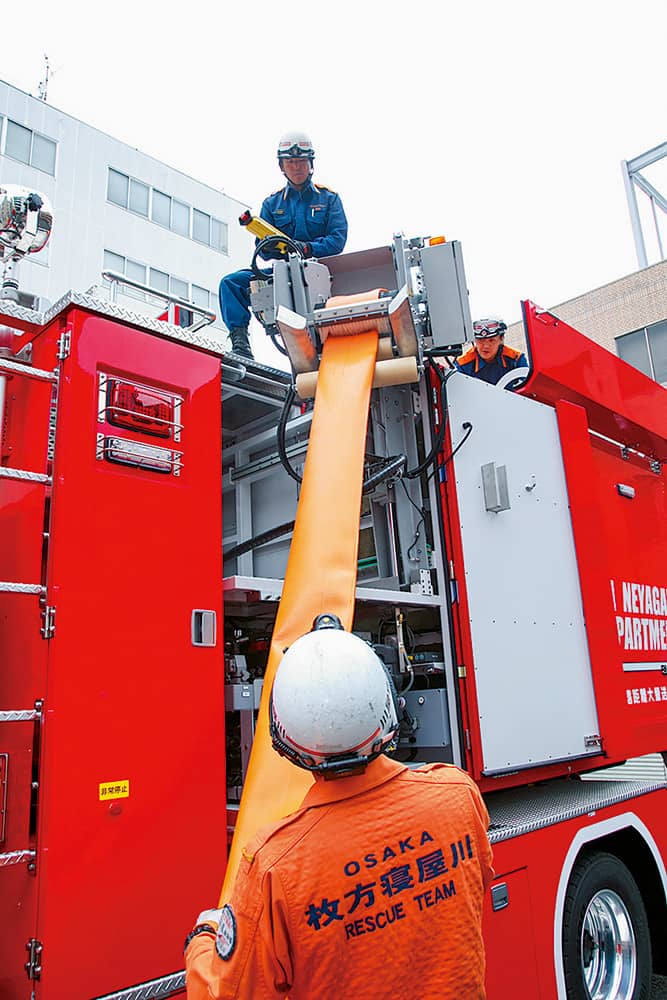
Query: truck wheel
606	941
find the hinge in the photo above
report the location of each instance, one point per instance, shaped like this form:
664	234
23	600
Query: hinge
33	966
462	670
48	628
24	356
468	743
64	344
593	741
656	466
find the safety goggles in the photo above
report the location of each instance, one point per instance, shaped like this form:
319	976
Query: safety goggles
295	151
483	328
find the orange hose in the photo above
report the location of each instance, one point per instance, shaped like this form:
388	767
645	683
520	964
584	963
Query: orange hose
322	566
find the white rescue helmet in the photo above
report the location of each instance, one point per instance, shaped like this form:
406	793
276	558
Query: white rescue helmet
295	146
333	706
491	326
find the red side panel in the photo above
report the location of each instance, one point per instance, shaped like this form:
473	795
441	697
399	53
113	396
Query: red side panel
523	939
620	402
621	555
23	658
132	787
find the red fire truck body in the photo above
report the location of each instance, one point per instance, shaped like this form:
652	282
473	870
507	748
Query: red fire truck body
536	645
109	776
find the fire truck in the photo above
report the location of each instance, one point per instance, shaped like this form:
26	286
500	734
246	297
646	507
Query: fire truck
508	566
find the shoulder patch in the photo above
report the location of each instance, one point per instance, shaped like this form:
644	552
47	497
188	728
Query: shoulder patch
323	187
511	352
225	939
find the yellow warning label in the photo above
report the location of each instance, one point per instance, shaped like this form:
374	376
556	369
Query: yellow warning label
114	790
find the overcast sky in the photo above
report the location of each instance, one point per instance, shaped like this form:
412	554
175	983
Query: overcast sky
500	124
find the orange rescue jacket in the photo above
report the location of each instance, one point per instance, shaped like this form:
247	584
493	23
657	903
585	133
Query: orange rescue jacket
372	890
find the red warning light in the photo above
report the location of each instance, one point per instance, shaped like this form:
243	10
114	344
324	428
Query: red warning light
140	409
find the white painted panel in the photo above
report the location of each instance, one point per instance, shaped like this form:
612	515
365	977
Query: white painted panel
532	669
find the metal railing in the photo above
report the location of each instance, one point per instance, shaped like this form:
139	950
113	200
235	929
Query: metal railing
172	301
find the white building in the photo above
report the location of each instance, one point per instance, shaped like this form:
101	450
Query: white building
116	208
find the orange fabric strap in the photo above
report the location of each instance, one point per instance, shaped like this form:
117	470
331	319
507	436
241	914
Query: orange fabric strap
322	566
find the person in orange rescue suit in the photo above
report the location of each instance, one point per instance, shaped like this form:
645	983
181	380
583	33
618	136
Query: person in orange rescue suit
312	216
373	888
488	358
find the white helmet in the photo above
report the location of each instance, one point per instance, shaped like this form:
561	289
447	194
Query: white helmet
490	326
333	706
294	145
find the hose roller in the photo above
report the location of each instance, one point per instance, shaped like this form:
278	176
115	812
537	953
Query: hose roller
347	316
397	371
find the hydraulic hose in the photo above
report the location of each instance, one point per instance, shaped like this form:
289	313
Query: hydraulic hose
257	540
391	468
276	343
267	244
280	434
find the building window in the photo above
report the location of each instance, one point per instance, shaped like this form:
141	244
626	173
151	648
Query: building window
138	198
30	147
43	154
18	142
201	227
113	262
130	268
135	271
159	280
200	296
180	218
219	235
117	188
646	349
179	287
161	208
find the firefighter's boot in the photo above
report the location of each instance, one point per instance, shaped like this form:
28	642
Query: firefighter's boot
241	342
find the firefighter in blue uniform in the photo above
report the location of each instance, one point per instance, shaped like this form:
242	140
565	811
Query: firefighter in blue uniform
310	214
488	358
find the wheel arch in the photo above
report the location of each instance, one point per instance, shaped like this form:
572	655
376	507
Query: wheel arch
630	840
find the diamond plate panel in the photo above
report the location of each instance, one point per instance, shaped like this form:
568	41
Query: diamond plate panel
30	318
20	715
164	987
16	858
523	810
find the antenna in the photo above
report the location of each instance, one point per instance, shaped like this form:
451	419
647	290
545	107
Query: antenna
44	83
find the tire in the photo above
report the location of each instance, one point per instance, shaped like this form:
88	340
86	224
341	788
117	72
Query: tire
606	939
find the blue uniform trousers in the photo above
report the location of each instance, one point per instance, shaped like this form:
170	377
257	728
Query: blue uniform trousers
234	295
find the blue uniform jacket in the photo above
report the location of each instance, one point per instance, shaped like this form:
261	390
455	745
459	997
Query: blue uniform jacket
507	359
313	215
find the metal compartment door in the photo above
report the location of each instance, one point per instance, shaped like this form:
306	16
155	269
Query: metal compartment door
133	777
531	663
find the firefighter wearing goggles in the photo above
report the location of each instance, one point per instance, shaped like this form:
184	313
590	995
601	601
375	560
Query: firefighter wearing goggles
311	215
380	861
488	358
